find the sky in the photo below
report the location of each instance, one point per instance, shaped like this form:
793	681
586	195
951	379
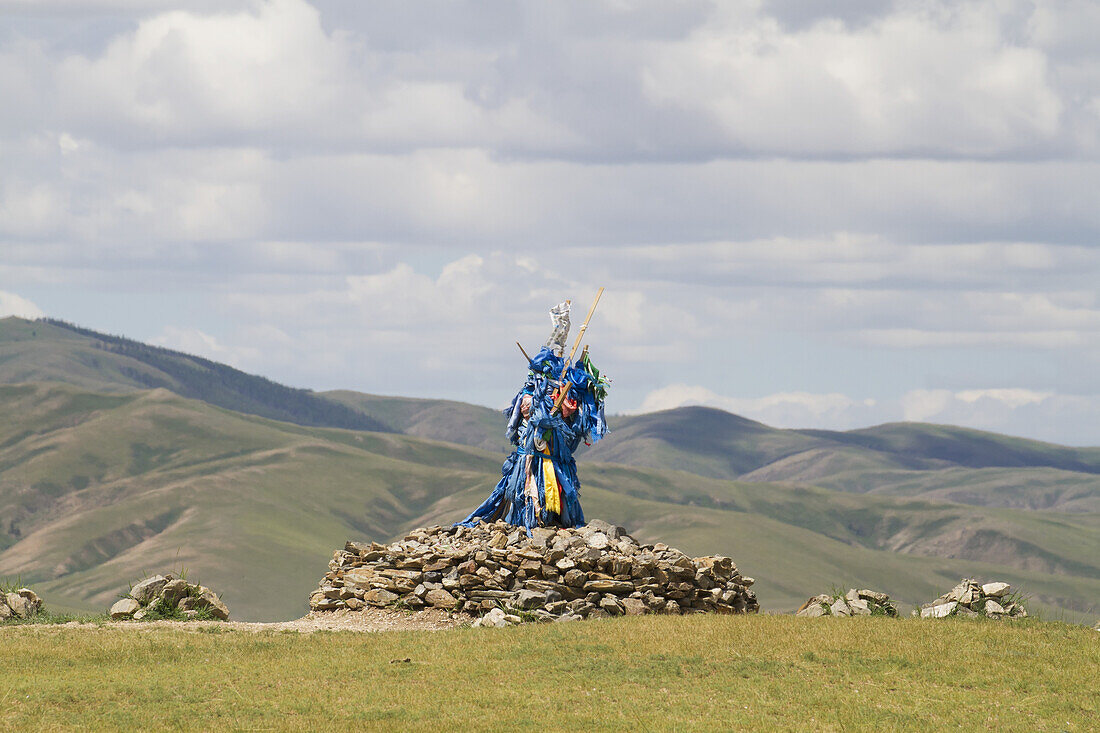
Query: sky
824	215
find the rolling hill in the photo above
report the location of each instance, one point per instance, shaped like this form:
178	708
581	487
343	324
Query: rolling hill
99	489
118	459
446	420
55	351
933	462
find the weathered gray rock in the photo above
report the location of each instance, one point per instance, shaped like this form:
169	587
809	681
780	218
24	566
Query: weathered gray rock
148	589
124	608
496	618
598	541
859	607
608	586
873	596
634	606
209	600
5	610
813	610
379	597
33	602
21	605
840	608
941	610
975	599
440	598
173	591
14	603
529	599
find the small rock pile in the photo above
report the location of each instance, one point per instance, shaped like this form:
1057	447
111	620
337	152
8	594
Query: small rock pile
972	599
853	603
21	603
164	595
592	571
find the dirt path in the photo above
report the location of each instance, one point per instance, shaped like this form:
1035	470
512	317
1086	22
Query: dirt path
375	619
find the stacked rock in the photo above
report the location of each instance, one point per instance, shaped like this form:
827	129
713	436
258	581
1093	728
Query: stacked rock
164	595
971	599
853	603
21	603
592	571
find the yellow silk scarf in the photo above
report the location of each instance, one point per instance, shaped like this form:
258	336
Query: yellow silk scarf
550	487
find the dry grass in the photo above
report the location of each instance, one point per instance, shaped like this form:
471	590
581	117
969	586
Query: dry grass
647	673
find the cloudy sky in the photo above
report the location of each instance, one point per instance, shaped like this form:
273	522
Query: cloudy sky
815	218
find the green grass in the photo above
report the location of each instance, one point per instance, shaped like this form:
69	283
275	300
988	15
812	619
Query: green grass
699	673
48	617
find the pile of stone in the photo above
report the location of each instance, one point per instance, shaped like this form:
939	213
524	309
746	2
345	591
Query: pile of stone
853	603
167	596
589	572
21	603
971	599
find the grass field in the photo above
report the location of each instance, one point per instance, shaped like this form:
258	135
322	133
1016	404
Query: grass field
645	673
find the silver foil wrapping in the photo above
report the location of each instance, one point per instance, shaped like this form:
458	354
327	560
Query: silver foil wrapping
559	316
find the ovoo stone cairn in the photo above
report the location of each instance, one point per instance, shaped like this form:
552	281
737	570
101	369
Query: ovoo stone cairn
853	603
971	599
166	594
22	603
557	574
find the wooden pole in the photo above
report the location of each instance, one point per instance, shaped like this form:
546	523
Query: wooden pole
584	327
524	352
576	344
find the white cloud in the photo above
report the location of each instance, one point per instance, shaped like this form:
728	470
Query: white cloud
594	80
15	305
368	195
882	87
1060	418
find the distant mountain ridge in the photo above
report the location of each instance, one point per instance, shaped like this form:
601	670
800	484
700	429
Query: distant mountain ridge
934	462
52	350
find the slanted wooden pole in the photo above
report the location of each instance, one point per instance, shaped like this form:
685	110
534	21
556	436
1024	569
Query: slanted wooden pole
576	344
584	327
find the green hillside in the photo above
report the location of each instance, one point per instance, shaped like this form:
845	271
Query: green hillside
55	351
932	462
446	420
99	489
